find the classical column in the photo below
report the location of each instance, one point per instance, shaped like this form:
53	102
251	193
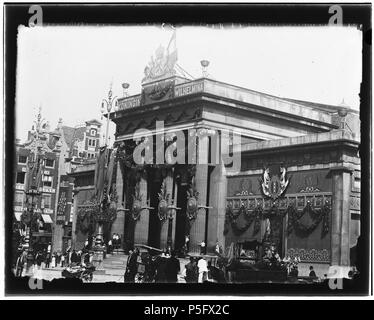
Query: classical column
142	225
169	189
197	231
217	200
118	225
340	216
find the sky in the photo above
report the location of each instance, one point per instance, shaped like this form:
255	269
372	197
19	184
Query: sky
67	70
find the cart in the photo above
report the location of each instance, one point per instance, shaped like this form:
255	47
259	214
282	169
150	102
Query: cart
85	273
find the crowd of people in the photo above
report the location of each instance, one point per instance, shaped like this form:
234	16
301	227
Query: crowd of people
165	268
44	259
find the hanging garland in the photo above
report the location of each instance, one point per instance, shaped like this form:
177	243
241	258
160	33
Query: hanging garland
249	216
294	216
317	216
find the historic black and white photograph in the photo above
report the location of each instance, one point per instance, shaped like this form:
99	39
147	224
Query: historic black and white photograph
161	153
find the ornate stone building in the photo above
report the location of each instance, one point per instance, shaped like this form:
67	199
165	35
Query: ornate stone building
293	181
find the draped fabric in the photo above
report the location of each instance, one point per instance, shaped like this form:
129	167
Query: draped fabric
109	174
104	172
100	171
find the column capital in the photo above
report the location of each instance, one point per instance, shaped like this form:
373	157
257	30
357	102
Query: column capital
343	168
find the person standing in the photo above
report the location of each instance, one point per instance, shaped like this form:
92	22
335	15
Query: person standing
161	268
74	258
312	273
203	270
47	259
131	266
110	246
187	243
63	260
21	261
172	268
192	271
53	261
39	259
202	247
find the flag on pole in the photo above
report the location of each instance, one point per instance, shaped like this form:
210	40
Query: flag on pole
100	171
104	172
172	51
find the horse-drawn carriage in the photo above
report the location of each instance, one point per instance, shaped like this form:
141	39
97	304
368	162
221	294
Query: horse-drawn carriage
147	263
83	272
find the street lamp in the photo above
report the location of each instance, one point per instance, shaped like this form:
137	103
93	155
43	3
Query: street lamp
125	86
204	65
107	106
28	218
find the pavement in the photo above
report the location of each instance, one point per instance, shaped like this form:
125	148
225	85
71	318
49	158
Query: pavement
114	269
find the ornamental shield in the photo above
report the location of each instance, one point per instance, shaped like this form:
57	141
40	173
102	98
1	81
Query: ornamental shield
162	209
136	209
192	207
274	182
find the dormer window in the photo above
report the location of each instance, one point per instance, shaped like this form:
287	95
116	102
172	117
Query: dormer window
93	132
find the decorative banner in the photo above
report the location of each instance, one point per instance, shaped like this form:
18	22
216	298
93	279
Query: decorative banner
64	199
61	207
192	201
163	204
136	207
158	91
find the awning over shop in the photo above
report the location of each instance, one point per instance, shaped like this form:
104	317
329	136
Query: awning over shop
18	215
47	218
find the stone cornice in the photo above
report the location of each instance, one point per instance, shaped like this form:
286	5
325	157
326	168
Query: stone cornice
231	96
325	138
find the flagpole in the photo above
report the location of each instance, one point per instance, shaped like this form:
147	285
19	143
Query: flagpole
102	196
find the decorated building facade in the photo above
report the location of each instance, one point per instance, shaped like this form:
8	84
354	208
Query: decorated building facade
218	163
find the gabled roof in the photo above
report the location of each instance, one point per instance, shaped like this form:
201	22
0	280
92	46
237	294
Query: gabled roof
93	121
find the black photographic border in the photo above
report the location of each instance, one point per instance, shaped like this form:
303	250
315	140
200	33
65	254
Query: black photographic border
192	14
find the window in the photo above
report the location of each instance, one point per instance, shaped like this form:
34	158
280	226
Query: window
89	142
21	177
93	132
22	159
93	143
47	201
18	199
50	163
47	181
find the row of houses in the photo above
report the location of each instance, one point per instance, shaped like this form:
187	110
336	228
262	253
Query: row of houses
45	161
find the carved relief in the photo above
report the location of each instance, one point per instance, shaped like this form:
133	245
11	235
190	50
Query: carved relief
161	65
245	188
354	203
163	204
311	183
309	255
